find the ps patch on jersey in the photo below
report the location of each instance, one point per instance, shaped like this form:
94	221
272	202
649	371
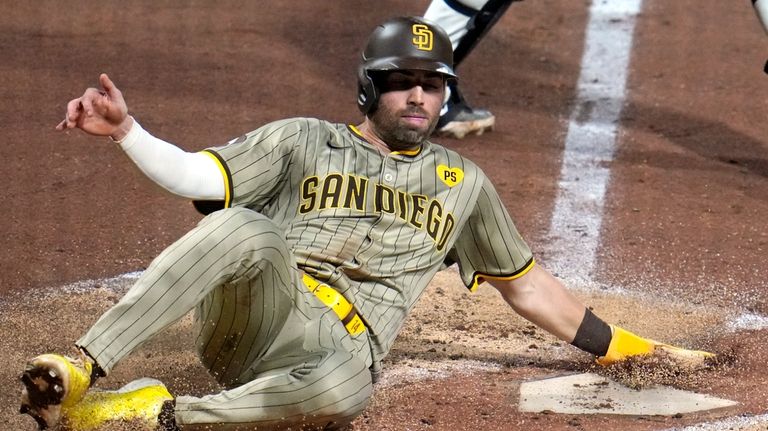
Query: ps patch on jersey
450	176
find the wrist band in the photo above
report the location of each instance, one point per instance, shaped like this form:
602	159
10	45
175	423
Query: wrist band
594	335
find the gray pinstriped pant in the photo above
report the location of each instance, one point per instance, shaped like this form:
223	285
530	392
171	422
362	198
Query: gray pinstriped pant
283	356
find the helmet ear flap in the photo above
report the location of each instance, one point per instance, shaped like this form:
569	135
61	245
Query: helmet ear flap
367	94
446	98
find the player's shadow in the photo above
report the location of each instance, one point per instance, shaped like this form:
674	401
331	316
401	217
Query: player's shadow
568	362
712	140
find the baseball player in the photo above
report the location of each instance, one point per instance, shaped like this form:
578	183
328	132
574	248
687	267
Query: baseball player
466	22
319	239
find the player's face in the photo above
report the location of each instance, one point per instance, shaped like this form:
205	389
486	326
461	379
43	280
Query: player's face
408	108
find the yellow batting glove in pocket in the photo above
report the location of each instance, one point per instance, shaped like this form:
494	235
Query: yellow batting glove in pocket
625	344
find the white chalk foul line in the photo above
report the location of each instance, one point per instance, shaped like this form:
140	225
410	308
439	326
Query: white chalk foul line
591	138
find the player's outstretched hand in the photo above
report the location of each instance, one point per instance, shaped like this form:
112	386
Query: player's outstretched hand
625	344
100	112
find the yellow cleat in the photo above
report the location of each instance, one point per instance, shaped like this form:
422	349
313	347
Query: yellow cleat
140	402
625	344
52	383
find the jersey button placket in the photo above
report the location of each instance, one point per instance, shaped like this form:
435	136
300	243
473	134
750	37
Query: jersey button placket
386	177
388	171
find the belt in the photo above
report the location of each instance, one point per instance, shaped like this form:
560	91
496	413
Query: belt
338	303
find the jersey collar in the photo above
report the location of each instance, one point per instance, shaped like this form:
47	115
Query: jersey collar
404	155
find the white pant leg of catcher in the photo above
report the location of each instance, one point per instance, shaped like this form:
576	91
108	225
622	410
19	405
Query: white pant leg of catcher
284	357
452	21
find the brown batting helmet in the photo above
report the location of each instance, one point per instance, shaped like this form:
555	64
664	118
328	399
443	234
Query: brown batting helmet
404	43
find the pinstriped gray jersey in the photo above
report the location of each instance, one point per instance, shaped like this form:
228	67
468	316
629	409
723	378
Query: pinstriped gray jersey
376	227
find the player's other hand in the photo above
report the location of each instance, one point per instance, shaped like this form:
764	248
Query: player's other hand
625	344
101	112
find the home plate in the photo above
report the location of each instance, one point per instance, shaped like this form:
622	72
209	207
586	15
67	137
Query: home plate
589	393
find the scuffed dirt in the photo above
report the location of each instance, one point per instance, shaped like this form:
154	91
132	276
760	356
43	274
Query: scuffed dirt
466	353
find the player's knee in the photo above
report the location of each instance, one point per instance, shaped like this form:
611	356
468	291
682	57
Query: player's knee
346	395
341	414
248	236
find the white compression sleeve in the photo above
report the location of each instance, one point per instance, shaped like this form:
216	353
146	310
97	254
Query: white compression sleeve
191	175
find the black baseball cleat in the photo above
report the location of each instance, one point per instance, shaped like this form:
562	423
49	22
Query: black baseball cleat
461	120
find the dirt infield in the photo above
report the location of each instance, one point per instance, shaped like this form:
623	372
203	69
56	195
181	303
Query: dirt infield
683	242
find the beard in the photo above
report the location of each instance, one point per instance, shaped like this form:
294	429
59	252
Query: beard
398	136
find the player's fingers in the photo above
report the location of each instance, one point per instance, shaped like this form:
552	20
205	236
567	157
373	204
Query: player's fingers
87	101
95	101
106	83
109	86
689	358
72	114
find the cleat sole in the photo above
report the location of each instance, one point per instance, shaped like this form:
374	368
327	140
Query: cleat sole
43	393
460	129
